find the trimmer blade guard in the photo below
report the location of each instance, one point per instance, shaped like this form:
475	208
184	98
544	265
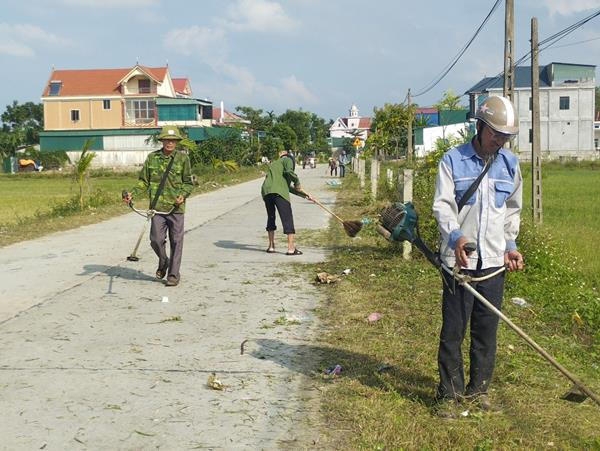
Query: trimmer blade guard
401	221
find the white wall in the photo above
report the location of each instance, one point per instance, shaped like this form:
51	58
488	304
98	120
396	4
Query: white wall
563	133
431	134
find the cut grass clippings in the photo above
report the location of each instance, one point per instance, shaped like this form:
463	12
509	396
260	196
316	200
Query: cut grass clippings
383	399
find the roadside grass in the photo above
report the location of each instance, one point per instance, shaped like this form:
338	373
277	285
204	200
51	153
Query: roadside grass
571	210
36	204
384	396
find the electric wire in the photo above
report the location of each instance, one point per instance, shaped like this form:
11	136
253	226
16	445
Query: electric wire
545	44
450	65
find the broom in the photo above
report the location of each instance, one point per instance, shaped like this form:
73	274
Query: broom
351	227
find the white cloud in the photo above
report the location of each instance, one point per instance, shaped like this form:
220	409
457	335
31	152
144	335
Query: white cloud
110	3
207	44
296	88
238	82
258	15
12	48
21	39
566	7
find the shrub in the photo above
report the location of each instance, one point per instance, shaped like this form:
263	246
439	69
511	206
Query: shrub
54	160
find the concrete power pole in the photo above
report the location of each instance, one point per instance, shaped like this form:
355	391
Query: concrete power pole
409	146
509	50
536	160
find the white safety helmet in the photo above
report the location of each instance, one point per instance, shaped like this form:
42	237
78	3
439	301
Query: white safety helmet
498	112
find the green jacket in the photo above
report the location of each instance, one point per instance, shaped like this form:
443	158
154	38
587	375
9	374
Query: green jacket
179	181
279	179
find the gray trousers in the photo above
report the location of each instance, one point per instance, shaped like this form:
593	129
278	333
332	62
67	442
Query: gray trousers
173	224
459	308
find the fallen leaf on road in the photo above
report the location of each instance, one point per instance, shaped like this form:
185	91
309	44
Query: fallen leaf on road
215	383
324	277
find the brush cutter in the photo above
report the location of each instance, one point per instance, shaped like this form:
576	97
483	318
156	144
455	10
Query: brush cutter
148	214
351	227
399	222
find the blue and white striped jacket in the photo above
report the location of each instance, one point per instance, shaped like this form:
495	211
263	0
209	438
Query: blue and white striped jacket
491	217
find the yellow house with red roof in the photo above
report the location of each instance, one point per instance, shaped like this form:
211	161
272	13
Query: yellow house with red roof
118	110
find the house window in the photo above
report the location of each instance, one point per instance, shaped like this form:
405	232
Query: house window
144	86
530	135
55	88
530	103
563	103
140	111
75	115
106	104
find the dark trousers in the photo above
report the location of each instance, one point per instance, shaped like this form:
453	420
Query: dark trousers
173	224
342	170
458	308
284	207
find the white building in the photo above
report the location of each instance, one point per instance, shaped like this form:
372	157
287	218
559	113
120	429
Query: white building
351	126
567	105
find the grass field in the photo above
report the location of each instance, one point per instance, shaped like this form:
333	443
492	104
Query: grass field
384	398
571	210
35	204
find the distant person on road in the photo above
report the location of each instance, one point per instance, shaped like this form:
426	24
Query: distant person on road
332	167
343	161
490	219
173	166
280	181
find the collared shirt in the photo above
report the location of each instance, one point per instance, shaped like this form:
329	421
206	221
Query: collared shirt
178	182
491	217
280	176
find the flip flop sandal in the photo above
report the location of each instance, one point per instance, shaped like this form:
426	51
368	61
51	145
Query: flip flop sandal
270	251
296	252
161	272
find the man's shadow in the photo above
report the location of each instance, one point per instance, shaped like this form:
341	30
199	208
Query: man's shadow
115	272
311	360
229	244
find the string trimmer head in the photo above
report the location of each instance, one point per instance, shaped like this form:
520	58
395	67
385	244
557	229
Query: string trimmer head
400	220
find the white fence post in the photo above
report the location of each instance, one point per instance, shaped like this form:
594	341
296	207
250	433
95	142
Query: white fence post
374	178
361	171
407	196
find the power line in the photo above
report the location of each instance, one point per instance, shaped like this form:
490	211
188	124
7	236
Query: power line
548	42
450	65
576	43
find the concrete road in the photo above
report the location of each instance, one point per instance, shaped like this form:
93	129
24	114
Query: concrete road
98	355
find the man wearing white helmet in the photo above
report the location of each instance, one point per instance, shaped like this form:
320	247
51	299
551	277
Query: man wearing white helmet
484	211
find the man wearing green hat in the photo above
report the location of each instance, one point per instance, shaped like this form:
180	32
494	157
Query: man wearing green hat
168	198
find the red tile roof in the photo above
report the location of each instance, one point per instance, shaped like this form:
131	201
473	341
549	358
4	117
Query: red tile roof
90	82
181	85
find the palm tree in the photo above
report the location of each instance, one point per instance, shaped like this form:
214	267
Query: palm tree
82	167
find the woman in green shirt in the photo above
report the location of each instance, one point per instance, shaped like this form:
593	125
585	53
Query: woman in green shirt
280	181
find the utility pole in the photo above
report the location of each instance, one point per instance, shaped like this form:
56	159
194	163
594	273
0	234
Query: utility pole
409	147
509	50
536	160
509	55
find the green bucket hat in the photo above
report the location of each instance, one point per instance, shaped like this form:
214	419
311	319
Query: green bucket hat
170	132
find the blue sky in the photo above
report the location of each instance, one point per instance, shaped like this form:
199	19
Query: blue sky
320	56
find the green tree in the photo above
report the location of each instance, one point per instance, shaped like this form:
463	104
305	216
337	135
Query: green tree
258	120
300	122
81	171
27	120
390	125
450	101
286	134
